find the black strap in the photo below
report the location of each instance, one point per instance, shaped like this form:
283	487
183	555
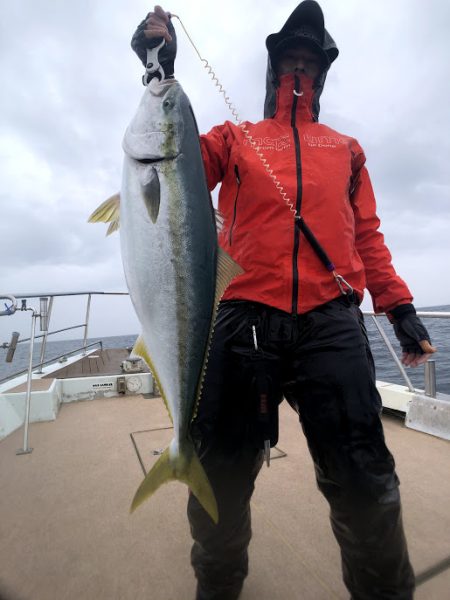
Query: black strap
321	254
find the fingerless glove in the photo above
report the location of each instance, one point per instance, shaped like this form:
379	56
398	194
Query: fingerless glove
408	328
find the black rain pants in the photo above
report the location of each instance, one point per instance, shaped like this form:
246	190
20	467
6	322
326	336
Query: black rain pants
322	364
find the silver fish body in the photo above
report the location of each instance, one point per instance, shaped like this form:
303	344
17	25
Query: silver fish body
169	264
174	269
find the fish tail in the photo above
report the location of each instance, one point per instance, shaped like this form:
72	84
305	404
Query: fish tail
184	467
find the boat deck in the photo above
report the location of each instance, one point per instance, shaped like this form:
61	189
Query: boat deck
96	363
99	362
66	533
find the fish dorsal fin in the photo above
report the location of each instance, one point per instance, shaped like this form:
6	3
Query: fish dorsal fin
108	212
151	192
220	219
227	270
140	349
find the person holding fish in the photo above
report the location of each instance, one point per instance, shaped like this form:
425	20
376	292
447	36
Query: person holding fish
299	218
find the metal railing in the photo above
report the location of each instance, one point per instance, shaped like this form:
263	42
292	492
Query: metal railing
430	365
46	333
51	360
44	314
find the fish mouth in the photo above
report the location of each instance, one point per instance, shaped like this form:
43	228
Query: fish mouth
150	146
152	161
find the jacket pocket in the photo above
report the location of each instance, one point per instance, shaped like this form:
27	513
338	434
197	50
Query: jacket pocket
238	184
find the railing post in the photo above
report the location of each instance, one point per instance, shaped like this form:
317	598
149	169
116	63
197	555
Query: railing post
430	378
88	308
26	449
44	341
394	356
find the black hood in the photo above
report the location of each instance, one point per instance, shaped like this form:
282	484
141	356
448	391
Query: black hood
306	24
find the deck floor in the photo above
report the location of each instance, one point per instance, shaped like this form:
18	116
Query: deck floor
65	531
98	363
101	362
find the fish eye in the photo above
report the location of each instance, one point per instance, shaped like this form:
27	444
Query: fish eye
167	104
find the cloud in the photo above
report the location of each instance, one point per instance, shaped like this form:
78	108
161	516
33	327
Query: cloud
70	87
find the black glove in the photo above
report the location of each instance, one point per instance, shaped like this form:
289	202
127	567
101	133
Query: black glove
408	328
168	52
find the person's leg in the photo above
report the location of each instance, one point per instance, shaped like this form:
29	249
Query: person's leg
221	432
219	554
331	383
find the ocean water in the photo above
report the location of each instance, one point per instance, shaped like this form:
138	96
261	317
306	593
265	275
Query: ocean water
439	330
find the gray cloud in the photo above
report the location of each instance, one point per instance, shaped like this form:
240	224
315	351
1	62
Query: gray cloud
70	84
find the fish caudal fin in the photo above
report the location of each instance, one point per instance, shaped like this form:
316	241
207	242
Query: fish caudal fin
187	469
186	466
108	212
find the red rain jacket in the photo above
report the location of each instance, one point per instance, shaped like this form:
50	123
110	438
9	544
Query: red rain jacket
323	175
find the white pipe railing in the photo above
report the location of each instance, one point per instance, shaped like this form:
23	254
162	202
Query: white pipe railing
44	314
430	365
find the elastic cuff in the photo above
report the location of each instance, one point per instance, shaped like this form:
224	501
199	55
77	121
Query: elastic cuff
401	311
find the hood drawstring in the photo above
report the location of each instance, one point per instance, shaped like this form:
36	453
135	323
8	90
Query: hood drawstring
297	92
299	87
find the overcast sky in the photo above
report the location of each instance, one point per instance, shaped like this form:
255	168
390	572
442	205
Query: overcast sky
70	83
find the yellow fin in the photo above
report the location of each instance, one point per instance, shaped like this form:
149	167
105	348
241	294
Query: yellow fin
108	212
227	269
140	349
114	226
198	483
181	468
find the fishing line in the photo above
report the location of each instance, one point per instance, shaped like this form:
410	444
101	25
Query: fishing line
344	287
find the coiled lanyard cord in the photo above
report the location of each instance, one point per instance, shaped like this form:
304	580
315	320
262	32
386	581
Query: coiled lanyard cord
344	287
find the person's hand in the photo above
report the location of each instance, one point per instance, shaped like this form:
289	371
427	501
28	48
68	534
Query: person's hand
412	335
413	359
157	26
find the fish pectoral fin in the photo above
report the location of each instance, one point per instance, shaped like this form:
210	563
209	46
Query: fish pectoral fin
151	192
108	212
189	471
227	270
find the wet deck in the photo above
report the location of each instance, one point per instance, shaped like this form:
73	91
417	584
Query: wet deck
65	531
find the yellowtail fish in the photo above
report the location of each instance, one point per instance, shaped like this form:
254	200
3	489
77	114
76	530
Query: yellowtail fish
175	271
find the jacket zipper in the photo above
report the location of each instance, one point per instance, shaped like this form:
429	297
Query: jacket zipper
238	180
298	203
